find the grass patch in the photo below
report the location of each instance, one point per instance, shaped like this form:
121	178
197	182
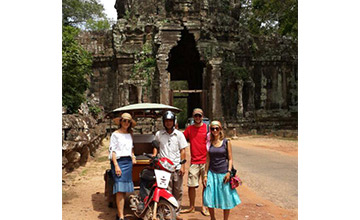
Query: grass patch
289	138
84	172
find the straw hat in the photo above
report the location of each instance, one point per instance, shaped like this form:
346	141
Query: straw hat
124	116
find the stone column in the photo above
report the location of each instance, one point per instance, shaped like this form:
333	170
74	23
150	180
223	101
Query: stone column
215	89
168	37
139	93
263	92
251	102
279	91
126	94
240	106
121	94
162	64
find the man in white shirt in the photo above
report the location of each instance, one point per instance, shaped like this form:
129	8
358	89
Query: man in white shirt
172	144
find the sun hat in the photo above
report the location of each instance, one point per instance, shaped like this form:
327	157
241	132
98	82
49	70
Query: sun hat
198	111
124	116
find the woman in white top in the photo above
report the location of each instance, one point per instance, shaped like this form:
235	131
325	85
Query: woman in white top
122	158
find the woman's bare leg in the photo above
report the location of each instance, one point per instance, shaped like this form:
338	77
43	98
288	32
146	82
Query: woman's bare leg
212	213
226	214
120	200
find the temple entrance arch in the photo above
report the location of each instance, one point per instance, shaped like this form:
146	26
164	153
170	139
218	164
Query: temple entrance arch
185	65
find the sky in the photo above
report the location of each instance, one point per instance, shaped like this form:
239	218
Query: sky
109	8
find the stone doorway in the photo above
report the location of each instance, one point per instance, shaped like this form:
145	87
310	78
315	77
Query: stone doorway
185	65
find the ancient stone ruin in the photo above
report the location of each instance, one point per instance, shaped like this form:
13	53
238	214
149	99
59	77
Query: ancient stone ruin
82	137
248	82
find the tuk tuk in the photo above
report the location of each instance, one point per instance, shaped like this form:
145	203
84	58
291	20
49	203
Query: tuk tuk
146	115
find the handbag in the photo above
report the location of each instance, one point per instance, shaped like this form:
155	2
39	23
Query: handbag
235	181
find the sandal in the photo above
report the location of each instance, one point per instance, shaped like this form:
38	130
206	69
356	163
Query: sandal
205	212
189	210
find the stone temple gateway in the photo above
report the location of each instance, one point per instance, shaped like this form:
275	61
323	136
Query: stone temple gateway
247	82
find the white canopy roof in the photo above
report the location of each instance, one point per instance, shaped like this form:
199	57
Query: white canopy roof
146	109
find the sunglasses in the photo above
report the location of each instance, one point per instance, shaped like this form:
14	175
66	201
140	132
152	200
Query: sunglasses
215	129
126	120
197	115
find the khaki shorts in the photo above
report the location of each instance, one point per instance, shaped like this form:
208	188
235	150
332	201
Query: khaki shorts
195	172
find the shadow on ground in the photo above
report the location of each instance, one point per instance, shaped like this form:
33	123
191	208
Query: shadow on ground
101	205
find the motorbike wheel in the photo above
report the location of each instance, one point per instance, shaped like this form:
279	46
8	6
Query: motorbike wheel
165	210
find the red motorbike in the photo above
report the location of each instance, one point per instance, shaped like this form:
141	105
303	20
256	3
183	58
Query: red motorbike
154	201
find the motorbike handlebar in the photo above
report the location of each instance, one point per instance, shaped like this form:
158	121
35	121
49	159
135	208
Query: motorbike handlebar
152	159
148	155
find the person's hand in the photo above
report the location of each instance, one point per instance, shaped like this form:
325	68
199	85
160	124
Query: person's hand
134	160
227	177
205	181
117	170
182	170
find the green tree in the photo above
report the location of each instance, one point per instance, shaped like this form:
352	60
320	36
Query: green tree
97	25
274	16
76	68
76	61
85	14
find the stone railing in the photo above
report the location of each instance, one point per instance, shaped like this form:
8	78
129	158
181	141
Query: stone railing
81	138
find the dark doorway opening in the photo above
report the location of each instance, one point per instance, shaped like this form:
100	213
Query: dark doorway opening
180	100
185	65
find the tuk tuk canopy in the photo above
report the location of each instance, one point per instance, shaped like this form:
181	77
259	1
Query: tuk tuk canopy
144	110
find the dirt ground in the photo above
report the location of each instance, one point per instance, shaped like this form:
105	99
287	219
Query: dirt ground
83	189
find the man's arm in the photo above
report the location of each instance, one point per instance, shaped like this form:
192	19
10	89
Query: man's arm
155	152
156	142
182	157
182	145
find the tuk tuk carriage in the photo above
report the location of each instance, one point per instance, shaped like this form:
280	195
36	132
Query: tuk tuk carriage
146	115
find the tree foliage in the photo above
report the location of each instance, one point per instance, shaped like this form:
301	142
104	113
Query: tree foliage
76	61
85	14
272	16
98	25
76	68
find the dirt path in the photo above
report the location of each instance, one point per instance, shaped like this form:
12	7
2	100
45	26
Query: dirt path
285	146
83	190
272	175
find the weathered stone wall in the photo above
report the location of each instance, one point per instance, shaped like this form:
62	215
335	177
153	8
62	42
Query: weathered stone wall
99	43
81	138
264	99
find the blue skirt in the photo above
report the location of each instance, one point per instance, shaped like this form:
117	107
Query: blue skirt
124	182
218	194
